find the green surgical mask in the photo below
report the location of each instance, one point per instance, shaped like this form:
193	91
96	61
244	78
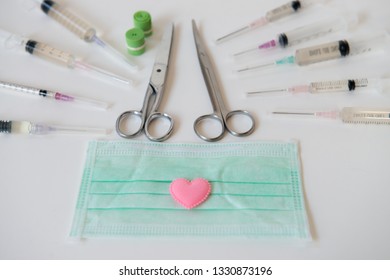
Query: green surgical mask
256	190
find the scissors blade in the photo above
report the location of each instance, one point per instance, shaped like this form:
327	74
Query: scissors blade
160	68
200	47
208	72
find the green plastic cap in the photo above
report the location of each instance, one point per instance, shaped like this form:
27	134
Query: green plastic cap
135	39
143	20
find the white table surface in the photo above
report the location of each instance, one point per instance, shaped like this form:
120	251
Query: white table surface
345	167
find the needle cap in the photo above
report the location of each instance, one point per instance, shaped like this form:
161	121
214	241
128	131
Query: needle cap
135	39
143	20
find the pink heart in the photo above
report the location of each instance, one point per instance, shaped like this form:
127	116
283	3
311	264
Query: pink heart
190	193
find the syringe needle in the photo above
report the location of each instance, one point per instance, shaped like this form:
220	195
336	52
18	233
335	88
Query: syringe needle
332	114
245	52
82	100
44	129
233	34
255	67
88	67
283	61
263	46
268	91
294	113
114	52
290	90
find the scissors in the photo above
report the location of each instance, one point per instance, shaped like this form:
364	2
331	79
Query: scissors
154	93
220	115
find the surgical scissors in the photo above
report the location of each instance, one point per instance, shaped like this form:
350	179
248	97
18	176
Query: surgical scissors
220	114
149	112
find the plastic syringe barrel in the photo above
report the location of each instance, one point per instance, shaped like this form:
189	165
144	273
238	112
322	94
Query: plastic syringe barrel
338	49
68	20
311	31
348	85
283	11
288	9
47	52
323	52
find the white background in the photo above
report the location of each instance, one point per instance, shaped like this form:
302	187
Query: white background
345	167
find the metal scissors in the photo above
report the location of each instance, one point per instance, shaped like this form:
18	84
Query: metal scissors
220	115
149	112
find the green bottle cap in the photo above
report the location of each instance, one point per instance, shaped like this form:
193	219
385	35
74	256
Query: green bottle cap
135	39
143	20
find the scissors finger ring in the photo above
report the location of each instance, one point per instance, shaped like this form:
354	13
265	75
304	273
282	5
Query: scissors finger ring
120	124
153	136
247	118
200	127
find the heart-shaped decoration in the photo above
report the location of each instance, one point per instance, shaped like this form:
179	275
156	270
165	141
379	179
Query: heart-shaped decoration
190	193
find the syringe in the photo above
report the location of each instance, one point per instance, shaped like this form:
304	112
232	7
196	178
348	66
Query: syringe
26	127
55	95
51	54
273	15
79	27
356	115
302	34
325	52
347	86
